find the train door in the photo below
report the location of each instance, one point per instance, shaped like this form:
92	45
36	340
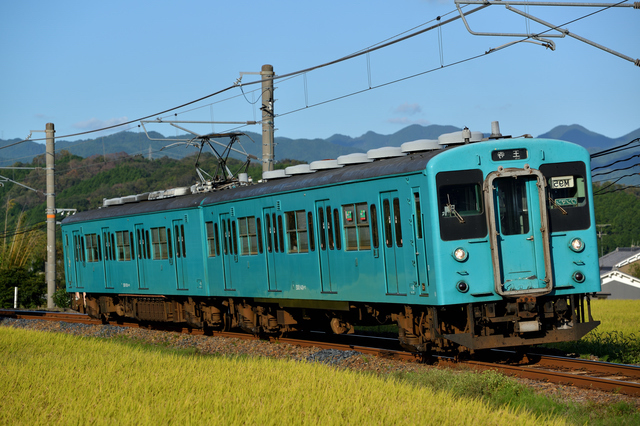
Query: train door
180	249
78	254
392	241
143	254
519	236
328	245
69	261
107	259
229	249
421	273
272	245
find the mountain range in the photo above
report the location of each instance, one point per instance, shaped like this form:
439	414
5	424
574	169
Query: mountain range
306	150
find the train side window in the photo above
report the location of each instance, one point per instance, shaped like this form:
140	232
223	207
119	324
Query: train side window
269	231
105	243
217	237
132	245
329	228
211	239
336	226
567	197
356	227
99	248
146	240
82	253
281	233
169	244
259	234
184	243
321	227
225	239
312	242
416	199
374	227
276	247
460	205
397	221
297	231
140	244
113	247
159	243
386	216
92	247
234	240
248	236
123	245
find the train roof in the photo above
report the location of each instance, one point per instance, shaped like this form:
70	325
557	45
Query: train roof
348	173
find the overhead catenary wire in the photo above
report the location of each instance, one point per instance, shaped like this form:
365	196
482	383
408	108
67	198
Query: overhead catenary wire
296	73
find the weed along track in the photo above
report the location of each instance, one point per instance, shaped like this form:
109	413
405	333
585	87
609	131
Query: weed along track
623	379
566	371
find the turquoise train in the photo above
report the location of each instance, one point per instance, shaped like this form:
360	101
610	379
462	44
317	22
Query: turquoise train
466	243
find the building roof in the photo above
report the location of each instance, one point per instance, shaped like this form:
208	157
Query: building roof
609	261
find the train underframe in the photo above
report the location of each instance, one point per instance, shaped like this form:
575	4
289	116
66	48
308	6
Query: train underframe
457	328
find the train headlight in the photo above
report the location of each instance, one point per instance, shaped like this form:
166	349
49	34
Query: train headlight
460	254
577	245
462	286
578	277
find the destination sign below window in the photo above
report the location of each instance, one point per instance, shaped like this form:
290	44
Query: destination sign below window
509	154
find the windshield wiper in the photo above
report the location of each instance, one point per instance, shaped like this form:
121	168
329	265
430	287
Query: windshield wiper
452	209
552	201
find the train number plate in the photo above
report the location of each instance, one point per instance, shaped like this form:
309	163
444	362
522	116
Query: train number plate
559	182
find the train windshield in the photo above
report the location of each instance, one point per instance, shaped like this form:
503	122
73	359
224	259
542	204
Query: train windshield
460	205
567	200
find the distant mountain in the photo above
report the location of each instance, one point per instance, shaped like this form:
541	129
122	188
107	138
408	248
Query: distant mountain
296	149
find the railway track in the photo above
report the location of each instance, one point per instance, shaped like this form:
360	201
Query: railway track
581	373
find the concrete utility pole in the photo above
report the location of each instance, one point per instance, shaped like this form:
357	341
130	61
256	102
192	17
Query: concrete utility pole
51	216
267	117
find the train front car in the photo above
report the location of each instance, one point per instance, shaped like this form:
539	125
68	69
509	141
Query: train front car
514	246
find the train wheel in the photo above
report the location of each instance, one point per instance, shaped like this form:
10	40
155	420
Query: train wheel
340	327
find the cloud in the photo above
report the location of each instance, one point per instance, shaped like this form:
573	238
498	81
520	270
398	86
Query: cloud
408	109
94	123
410	114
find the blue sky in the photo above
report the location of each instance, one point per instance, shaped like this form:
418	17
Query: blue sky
83	65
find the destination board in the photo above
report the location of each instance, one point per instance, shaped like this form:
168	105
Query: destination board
509	154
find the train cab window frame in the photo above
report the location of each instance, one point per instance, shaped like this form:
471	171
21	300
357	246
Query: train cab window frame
567	202
159	243
296	229
123	246
247	232
92	247
462	214
357	233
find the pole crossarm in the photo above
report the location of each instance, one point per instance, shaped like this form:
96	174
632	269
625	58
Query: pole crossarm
530	37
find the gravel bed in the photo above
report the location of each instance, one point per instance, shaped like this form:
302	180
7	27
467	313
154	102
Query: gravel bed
258	348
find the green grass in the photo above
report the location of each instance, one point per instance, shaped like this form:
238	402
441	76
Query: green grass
617	338
497	390
55	378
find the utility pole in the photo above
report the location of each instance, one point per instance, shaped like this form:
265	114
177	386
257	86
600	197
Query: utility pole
267	117
51	216
600	235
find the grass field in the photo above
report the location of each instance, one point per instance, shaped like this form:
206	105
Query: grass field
52	378
617	338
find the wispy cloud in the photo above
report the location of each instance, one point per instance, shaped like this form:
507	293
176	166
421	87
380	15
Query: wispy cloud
95	123
408	109
410	114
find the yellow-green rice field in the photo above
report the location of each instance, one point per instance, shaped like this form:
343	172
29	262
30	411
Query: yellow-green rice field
54	378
